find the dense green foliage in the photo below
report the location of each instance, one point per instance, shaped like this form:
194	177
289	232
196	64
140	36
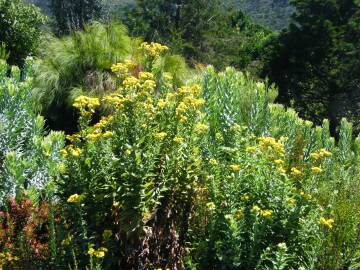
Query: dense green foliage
72	15
212	176
162	167
315	62
275	14
19	29
203	31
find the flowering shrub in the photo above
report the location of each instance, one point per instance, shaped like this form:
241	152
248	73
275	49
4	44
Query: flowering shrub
163	175
24	234
136	170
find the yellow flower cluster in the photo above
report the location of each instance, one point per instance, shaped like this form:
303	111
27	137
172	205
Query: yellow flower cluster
160	135
73	137
149	85
211	206
189	101
235	167
291	201
245	198
316	170
70	150
320	154
104	121
124	68
86	105
306	195
295	171
161	103
131	82
107	234
327	223
178	139
97	134
67	241
262	212
269	143
76	152
153	49
143	76
239	214
100	253
115	100
8	257
213	161
201	128
250	149
75	198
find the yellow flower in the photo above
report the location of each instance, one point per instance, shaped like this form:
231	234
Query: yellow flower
198	102
213	161
107	234
63	152
316	170
245	198
67	241
130	82
235	167
160	135
211	206
279	162
250	149
149	85
178	139
201	128
153	49
167	76
181	108
83	102
315	156
161	103
266	213
218	136
75	198
93	136
291	201
295	171
120	68
306	196
328	223
73	137
308	123
76	152
325	153
281	170
107	134
146	76
100	253
255	208
239	213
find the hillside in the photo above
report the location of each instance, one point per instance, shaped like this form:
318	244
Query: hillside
272	13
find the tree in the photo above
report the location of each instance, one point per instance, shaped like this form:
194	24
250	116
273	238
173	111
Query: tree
73	15
19	29
275	14
314	61
210	32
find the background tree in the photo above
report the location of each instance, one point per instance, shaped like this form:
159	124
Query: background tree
313	62
73	15
19	29
209	32
275	14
